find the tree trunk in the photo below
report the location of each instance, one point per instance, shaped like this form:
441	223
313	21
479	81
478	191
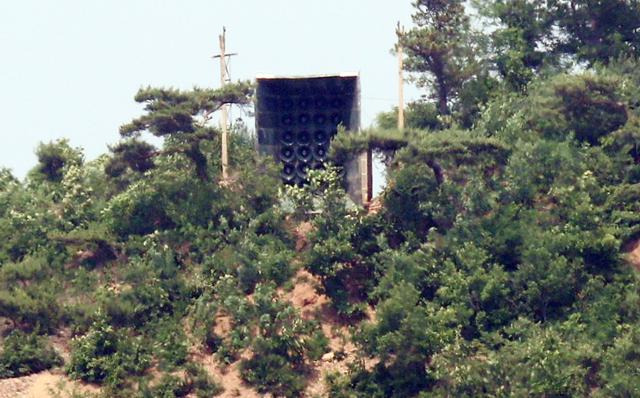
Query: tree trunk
443	97
199	161
442	87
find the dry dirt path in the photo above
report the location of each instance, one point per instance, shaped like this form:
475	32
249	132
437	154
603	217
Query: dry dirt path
42	385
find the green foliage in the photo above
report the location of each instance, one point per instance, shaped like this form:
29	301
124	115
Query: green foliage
202	384
195	381
136	306
405	334
491	265
23	354
182	118
440	48
523	27
386	141
168	387
134	154
413	185
481	239
54	158
25	221
620	365
530	361
280	347
263	259
612	30
342	271
171	111
421	115
107	356
592	106
171	347
202	314
587	106
26	297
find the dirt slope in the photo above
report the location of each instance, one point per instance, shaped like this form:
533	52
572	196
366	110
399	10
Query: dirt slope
48	384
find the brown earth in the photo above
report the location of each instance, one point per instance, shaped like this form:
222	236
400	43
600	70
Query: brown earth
341	351
632	254
49	384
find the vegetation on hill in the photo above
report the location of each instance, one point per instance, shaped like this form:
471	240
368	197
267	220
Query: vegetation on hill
495	266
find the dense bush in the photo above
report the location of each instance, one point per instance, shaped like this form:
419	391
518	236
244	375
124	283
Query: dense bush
23	354
283	344
107	356
195	381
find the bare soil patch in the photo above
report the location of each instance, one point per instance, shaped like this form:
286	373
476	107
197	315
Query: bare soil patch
633	254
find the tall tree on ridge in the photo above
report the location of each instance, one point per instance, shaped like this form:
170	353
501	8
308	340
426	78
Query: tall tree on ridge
525	39
439	49
599	30
180	116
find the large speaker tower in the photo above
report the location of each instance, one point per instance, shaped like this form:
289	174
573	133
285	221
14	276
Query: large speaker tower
296	118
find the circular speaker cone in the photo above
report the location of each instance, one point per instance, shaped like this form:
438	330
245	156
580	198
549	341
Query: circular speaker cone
287	120
287	104
320	119
320	136
301	170
317	165
288	169
287	154
303	137
304	153
304	119
320	152
288	173
287	137
304	103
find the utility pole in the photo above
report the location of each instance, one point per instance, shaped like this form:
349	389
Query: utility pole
224	110
400	54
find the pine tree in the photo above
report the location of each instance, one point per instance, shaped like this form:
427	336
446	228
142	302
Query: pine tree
182	117
439	48
599	30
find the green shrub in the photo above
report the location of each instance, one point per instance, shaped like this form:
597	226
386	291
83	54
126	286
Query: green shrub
273	373
23	354
621	365
137	305
107	356
202	313
195	381
170	386
283	344
171	343
201	383
32	307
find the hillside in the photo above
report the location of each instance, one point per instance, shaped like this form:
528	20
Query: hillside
501	259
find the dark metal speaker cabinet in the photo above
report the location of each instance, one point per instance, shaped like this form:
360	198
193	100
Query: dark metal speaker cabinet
296	118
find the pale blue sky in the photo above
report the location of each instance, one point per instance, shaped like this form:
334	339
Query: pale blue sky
70	68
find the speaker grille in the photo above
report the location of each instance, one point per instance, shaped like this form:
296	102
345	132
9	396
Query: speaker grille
296	118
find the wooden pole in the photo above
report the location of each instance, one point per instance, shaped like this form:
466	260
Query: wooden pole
400	54
224	114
